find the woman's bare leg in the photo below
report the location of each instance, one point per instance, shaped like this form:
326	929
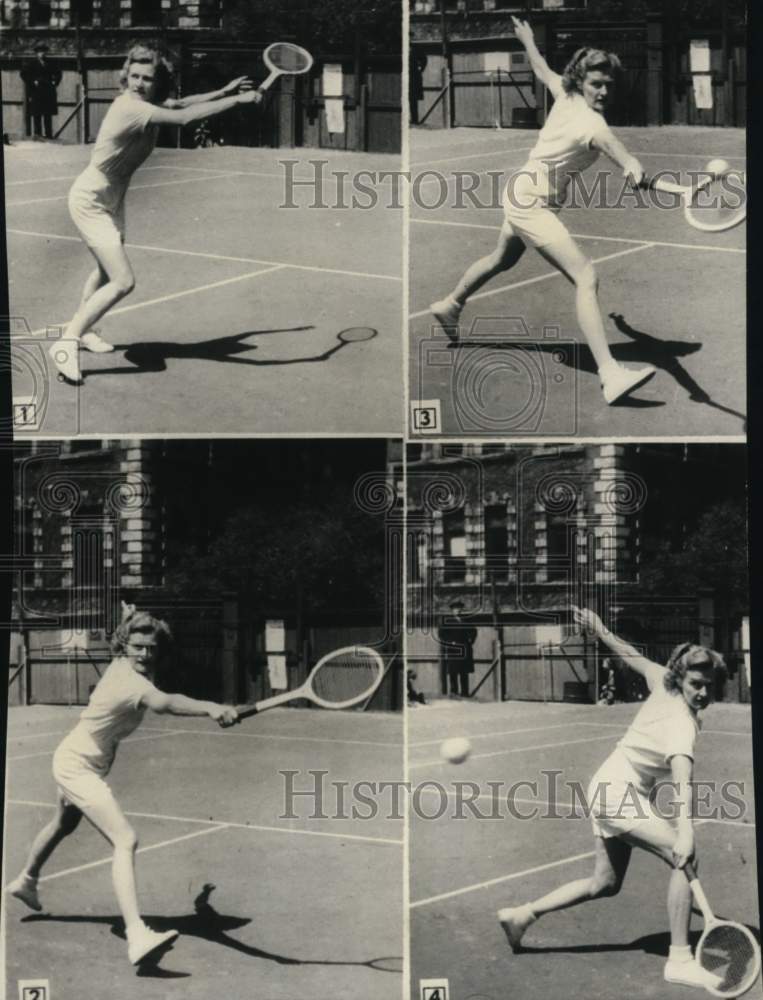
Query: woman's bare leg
508	251
113	262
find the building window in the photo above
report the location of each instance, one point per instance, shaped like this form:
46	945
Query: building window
454	546
39	13
558	547
82	12
496	541
146	13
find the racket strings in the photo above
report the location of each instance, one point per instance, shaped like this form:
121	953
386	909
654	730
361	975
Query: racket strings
346	677
720	204
288	58
728	951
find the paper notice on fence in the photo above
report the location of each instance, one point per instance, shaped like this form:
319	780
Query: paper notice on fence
699	55
492	61
333	89
277	672
275	636
703	91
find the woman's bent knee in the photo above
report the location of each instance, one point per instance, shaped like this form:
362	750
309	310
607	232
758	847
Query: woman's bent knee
587	278
126	839
124	284
603	887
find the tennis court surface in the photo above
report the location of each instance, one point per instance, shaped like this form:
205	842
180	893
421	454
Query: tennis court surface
234	323
464	870
671	296
266	907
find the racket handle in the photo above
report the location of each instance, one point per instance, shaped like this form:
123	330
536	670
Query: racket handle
268	82
690	871
245	711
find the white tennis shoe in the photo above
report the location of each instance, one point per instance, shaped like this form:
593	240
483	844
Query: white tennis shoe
65	356
515	920
690	973
447	312
142	942
617	380
25	888
93	342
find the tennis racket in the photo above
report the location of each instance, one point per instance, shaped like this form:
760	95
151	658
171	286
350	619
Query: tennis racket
726	949
341	679
284	59
717	202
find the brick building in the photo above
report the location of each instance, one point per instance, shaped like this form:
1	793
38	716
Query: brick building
521	533
102	521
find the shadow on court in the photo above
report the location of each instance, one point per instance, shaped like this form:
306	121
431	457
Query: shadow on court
152	356
645	349
210	925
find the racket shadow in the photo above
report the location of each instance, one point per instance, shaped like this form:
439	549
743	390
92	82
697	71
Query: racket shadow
650	944
662	355
152	356
209	924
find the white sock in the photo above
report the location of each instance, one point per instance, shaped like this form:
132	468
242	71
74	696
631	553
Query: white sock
679	953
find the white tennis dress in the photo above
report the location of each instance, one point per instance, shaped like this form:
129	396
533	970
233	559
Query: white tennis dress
535	193
618	794
125	140
85	756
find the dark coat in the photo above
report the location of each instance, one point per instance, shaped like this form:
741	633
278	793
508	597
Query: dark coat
457	640
41	80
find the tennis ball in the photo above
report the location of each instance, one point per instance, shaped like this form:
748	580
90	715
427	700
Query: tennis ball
718	167
455	751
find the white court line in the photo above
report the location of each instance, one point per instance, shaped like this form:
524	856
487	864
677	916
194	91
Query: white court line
540	277
705	732
228	173
523	149
130	739
540	803
133	187
35	736
503	732
61	732
591	236
471	156
291	739
216	256
140	850
220	172
507	878
502	878
501	753
174	295
232	825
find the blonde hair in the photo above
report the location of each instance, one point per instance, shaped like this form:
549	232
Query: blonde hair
143	622
586	61
687	657
163	70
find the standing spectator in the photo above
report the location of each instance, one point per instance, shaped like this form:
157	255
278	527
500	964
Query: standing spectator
457	639
41	79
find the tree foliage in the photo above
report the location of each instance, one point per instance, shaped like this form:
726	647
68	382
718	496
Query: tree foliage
324	26
326	554
713	557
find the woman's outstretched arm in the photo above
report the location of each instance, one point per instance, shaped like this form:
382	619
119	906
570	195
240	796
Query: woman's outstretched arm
241	83
540	67
206	109
650	671
180	704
